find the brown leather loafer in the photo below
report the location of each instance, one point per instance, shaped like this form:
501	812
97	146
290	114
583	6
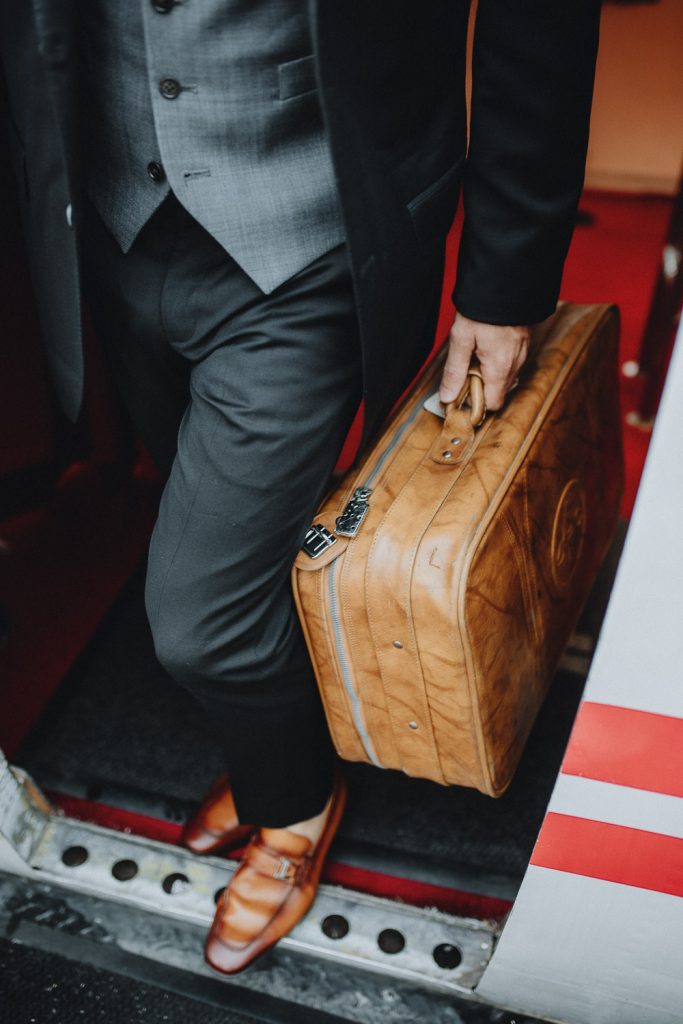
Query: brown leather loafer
215	826
271	891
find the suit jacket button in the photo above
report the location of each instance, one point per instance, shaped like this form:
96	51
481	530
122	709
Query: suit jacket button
156	172
169	88
163	6
69	215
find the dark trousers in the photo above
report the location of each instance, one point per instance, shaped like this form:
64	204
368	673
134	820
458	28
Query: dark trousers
244	399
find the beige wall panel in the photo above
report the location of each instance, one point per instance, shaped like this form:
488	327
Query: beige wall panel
637	125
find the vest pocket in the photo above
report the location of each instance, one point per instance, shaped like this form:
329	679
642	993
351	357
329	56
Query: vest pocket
297	77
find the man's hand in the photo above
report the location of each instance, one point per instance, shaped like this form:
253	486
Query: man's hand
501	352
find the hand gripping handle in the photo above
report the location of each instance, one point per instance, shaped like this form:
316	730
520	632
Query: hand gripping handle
471	392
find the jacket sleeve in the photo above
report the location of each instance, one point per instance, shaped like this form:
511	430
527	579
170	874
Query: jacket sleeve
533	71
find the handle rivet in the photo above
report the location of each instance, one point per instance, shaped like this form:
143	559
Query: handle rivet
456	440
447	455
397	643
412	725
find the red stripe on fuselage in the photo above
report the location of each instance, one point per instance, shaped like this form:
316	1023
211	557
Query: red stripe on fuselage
626	747
614	853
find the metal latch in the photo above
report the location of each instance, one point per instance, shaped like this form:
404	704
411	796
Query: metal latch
317	540
349	522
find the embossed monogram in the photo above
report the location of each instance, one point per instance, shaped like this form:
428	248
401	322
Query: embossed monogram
569	528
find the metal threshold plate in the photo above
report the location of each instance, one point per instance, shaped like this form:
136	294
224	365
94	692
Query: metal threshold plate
420	945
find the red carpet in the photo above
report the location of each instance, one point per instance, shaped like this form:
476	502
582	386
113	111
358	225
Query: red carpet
617	260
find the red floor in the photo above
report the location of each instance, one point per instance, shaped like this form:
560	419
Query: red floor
617	260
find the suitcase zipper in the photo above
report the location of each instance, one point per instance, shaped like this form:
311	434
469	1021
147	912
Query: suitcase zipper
344	669
392	444
356	506
342	662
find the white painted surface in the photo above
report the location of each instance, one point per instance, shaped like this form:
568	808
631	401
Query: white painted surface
639	659
589	952
618	805
582	950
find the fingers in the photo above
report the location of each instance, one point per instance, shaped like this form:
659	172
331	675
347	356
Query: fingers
501	355
501	352
461	345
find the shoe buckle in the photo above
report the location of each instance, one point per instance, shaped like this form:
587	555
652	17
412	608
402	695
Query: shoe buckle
285	869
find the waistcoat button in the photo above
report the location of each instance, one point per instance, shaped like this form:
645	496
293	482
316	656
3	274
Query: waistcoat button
163	6
169	88
156	171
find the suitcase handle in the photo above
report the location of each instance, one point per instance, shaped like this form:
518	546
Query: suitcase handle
472	390
457	436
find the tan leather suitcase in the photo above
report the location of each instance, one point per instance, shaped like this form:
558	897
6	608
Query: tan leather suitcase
443	577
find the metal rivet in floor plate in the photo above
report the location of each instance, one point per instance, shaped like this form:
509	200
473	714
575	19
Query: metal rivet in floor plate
124	870
391	940
335	926
73	856
218	893
175	883
447	956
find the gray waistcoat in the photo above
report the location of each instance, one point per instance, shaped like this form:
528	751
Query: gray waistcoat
221	94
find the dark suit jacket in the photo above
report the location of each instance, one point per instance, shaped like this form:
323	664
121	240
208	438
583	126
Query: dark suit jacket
391	76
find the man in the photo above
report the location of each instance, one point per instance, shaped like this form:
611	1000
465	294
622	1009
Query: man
256	197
